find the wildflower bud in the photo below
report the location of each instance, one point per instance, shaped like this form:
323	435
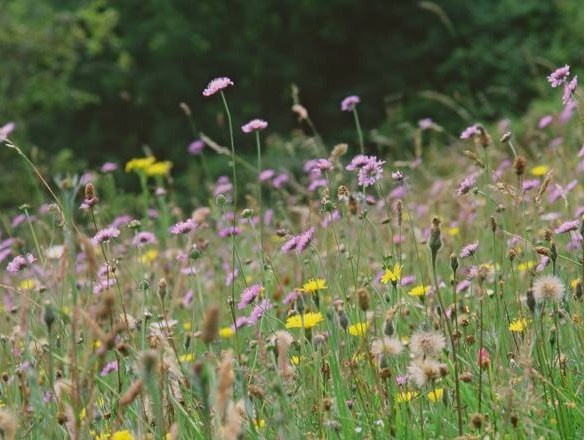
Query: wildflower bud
483	136
339	150
49	316
553	251
482	274
186	108
520	165
476	420
514	420
195	252
547	235
435	241
388	328
493	224
466	377
512	253
483	358
89	191
579	291
210	326
399	207
134	224
541	250
530	301
552	338
162	289
301	111
300	305
343	194
221	200
505	137
247	213
364	299
329	206
343	320
144	285
470	339
443	370
454	262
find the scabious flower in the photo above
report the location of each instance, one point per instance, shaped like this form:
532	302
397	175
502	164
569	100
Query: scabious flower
308	320
527	185
349	103
469	132
548	288
358	162
259	310
196	147
466	185
280	180
290	298
254	125
569	89
371	172
559	76
304	240
20	262
103	285
183	227
109	368
545	121
105	235
109	167
5	131
216	85
469	249
229	232
249	294
144	238
266	175
571	225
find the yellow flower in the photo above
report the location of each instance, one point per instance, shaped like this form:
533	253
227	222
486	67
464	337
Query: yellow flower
226	332
405	397
97	344
309	320
358	329
574	283
122	435
149	256
187	326
187	357
27	284
454	231
139	164
83	414
540	170
103	436
436	395
314	285
66	310
295	360
159	168
522	267
419	290
259	423
392	276
519	325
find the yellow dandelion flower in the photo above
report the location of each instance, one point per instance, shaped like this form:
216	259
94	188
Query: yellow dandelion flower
66	310
259	424
405	340
149	256
358	329
103	436
455	230
436	395
519	325
159	168
187	326
226	332
419	290
139	164
295	360
574	283
122	435
83	414
309	320
27	284
405	397
540	170
97	344
189	357
392	276
314	285
523	267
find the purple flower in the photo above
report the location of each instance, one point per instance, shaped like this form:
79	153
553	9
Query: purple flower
89	203
466	185
17	220
258	311
545	121
469	132
230	231
266	175
102	285
371	172
121	220
559	76
249	294
254	125
407	280
567	112
317	183
5	131
280	180
544	260
568	226
349	103
569	90
469	250
463	285
183	227
240	322
290	297
105	235
216	85
196	147
143	238
305	239
108	167
401	380
290	244
527	185
425	123
188	298
358	162
109	368
20	262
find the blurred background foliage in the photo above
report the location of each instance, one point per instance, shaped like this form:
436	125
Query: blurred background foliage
93	80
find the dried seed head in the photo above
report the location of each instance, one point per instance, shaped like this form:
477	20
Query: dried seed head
520	165
435	241
131	393
89	191
512	253
343	194
364	299
211	322
466	377
505	137
162	289
476	420
493	224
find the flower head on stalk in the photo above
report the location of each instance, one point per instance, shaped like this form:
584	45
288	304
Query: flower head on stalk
217	85
254	125
349	103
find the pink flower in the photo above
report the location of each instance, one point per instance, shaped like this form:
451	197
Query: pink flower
280	180
143	238
425	123
569	90
466	185
5	131
559	76
109	368
371	172
568	226
20	262
544	121
108	167
216	85
469	250
249	294
266	175
469	132
349	103
105	235
196	147
254	125
183	227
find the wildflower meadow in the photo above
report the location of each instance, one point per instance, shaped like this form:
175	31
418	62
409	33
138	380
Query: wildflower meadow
341	292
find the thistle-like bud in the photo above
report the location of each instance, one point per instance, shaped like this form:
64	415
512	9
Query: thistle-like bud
512	253
553	251
162	289
221	200
364	299
210	326
520	165
435	241
454	262
505	137
134	224
476	420
89	191
247	213
530	300
343	320
343	194
49	316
